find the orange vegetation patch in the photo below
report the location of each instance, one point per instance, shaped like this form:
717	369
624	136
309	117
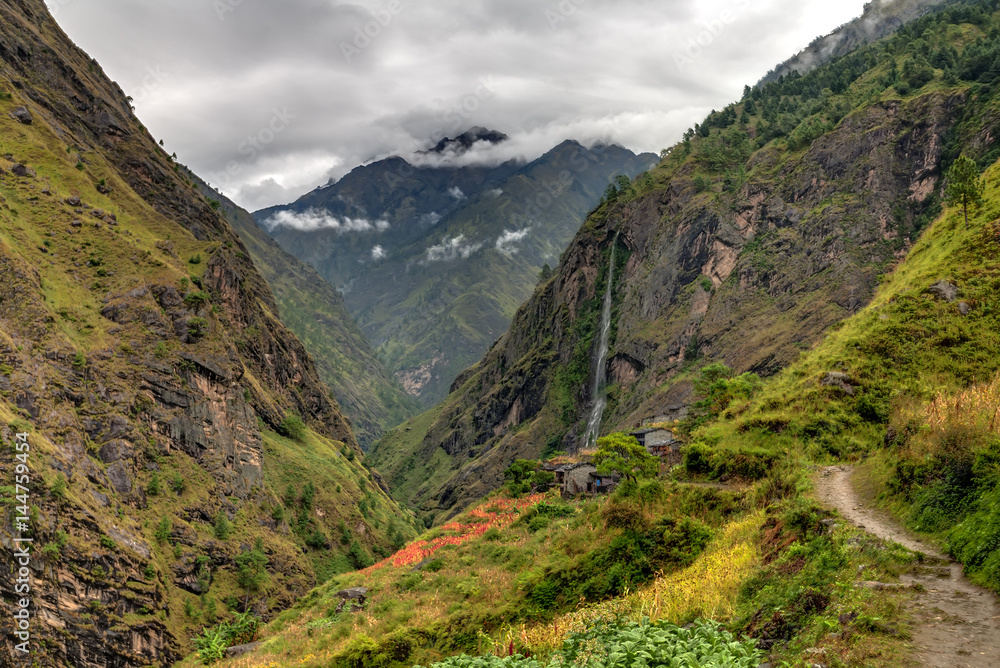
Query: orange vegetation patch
498	513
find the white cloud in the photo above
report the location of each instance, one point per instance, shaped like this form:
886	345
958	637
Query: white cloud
506	242
457	193
430	219
313	220
452	249
378	253
608	68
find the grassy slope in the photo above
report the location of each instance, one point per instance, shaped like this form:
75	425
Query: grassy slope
76	268
315	311
497	578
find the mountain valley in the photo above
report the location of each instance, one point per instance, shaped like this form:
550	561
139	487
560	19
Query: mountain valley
730	405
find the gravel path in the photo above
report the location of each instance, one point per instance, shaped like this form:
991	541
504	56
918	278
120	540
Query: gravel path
956	623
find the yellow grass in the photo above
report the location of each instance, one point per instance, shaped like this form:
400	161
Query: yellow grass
706	589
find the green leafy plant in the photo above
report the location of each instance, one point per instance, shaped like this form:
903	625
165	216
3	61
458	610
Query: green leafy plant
163	530
293	427
196	300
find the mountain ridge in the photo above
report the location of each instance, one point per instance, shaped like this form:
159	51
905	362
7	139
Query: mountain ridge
433	261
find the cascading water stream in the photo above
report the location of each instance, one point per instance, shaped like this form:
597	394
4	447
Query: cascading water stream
598	396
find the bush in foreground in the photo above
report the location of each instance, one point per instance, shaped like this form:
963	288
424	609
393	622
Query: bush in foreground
702	644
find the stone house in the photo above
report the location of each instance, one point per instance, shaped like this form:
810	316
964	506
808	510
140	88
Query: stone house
583	478
659	443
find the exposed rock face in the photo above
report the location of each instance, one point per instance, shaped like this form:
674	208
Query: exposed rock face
722	280
151	364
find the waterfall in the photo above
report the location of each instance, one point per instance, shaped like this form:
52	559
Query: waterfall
598	397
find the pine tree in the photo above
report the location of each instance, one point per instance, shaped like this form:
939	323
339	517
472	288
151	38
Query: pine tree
964	185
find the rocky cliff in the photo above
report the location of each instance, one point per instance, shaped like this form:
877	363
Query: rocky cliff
172	418
367	392
769	224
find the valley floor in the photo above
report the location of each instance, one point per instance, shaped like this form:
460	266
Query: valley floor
955	623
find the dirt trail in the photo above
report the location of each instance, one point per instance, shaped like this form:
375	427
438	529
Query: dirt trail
956	623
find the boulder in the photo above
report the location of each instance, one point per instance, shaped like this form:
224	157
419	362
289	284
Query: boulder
114	451
119	477
73	200
359	593
841	381
22	171
240	650
21	115
964	308
944	290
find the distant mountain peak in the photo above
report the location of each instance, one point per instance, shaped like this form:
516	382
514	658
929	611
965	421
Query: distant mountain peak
466	140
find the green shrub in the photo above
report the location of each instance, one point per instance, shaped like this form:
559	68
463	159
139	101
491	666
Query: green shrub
153	489
292	427
197	326
635	644
223	527
196	300
363	652
213	642
162	533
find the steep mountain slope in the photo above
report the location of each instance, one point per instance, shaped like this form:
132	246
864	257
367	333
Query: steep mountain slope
179	436
434	261
880	18
769	224
312	308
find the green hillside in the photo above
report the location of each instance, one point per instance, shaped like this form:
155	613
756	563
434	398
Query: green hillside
185	463
315	311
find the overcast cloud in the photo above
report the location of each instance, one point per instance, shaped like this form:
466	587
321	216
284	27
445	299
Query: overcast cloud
269	99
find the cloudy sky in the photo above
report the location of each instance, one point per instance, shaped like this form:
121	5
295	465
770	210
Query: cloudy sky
267	99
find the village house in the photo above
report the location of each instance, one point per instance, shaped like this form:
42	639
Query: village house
660	443
582	478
